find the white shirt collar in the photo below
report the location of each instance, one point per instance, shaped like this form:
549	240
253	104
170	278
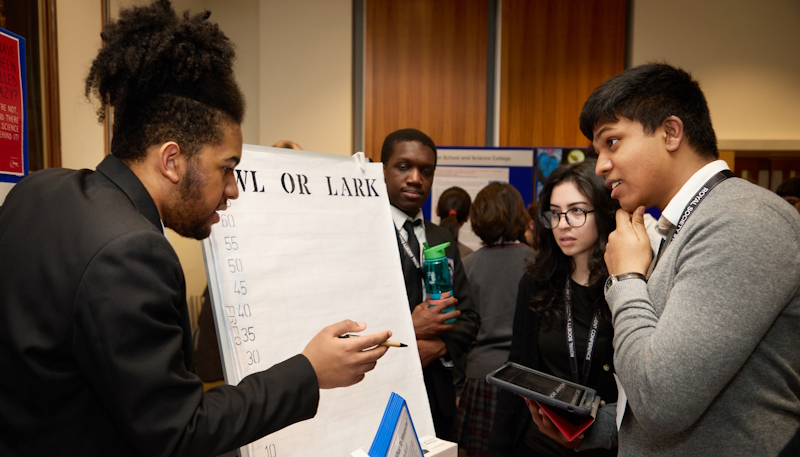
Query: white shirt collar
675	207
399	217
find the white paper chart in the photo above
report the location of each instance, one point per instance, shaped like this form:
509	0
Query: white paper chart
310	242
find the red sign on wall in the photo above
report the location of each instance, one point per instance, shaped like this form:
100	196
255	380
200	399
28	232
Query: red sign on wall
12	107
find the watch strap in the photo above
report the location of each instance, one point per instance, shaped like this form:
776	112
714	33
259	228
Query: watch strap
613	279
630	276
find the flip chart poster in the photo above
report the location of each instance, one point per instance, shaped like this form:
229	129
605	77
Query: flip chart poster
13	138
309	242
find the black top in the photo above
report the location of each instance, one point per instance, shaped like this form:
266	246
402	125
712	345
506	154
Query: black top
554	358
553	348
546	351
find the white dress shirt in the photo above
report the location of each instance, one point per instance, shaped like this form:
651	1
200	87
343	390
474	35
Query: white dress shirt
672	213
400	218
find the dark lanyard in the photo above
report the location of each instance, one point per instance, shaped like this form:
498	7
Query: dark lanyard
573	358
698	198
410	254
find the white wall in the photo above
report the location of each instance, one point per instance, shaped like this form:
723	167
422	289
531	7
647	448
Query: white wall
239	20
306	74
746	55
293	65
79	23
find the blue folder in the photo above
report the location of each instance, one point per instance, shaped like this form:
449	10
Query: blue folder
394	422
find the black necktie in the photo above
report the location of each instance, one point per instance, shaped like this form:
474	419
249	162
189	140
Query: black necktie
413	242
411	273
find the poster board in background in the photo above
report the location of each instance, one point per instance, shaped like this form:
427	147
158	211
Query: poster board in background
548	159
472	169
13	112
310	242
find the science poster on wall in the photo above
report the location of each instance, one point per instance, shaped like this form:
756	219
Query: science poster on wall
548	159
13	115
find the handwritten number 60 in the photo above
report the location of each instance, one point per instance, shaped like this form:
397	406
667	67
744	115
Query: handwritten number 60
227	220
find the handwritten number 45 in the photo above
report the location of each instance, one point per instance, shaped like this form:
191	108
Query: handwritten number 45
239	287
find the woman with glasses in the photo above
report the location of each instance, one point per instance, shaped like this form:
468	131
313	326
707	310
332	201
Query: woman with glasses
563	288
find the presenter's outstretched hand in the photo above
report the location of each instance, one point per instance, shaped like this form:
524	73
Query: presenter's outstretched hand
628	248
429	322
342	362
549	429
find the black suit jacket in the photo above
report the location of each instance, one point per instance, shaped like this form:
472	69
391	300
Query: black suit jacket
438	379
95	344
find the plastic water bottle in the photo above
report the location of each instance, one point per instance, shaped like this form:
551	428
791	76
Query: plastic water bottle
438	283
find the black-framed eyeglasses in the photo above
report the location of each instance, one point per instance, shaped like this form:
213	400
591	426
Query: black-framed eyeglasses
575	217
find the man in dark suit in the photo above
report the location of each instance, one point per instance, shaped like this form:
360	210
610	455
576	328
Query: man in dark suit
409	160
95	343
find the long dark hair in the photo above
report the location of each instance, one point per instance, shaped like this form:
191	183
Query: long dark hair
453	209
551	268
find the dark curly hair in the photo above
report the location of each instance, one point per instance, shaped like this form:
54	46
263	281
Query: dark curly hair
168	79
551	268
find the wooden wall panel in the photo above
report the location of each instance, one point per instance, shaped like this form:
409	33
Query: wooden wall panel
554	54
425	68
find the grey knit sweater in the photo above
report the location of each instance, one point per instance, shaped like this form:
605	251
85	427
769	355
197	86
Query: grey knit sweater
708	351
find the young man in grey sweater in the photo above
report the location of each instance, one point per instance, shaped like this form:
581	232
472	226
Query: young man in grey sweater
706	348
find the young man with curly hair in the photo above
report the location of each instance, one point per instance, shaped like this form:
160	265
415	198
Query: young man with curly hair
95	342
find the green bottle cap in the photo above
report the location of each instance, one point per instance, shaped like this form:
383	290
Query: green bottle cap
435	252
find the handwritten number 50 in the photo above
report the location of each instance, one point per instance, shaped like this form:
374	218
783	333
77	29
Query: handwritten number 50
235	265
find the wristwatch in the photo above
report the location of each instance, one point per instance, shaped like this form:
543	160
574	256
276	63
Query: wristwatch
613	279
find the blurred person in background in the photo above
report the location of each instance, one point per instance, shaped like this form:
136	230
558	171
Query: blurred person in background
499	218
531	237
790	191
286	144
453	209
